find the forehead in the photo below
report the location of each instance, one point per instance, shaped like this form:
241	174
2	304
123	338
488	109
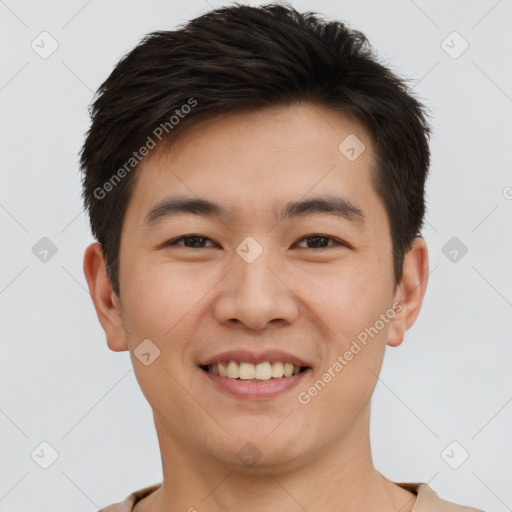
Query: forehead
254	161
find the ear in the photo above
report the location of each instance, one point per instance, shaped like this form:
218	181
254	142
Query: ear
106	302
410	291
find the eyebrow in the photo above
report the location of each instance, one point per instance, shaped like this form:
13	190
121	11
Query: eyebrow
329	204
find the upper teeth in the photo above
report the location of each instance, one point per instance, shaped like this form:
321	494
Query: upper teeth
260	371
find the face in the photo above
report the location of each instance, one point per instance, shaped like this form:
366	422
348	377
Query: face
301	284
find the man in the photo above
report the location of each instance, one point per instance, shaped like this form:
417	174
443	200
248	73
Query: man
255	181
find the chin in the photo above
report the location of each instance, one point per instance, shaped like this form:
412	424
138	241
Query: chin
261	449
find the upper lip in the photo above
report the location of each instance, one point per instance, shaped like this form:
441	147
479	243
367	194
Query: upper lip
254	358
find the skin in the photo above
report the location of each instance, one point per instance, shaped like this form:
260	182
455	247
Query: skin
194	302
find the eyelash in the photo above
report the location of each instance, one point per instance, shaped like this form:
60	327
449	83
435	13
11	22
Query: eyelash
337	242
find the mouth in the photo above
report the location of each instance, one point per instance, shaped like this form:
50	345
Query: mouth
264	371
247	381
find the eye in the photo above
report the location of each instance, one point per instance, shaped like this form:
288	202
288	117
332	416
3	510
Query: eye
198	241
318	242
190	241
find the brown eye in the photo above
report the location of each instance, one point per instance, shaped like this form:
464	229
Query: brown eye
320	242
190	241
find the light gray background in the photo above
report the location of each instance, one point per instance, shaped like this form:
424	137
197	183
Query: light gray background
449	381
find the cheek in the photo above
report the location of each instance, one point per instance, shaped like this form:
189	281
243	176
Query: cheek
349	302
159	306
347	298
159	293
167	304
151	302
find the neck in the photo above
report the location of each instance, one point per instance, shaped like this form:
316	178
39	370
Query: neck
341	477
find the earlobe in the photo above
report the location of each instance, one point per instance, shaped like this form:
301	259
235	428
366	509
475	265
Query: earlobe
106	302
410	291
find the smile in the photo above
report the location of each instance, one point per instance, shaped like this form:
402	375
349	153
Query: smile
264	380
248	371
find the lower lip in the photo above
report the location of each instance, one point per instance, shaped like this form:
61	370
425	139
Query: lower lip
256	389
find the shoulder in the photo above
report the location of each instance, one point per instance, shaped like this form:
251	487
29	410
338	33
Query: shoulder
128	503
428	501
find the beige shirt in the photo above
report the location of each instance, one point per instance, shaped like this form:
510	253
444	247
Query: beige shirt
426	501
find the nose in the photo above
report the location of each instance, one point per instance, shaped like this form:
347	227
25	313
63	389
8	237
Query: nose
255	295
